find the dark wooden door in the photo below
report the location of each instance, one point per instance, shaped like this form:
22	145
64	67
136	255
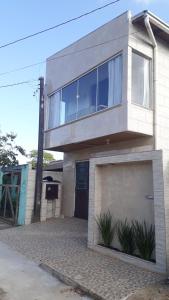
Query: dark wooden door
82	190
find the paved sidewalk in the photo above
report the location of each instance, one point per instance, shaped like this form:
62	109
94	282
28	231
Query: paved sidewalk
4	225
21	279
61	244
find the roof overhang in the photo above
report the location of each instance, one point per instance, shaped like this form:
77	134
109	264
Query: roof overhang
160	28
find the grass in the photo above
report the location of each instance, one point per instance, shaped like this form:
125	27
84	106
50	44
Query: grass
106	228
125	233
144	236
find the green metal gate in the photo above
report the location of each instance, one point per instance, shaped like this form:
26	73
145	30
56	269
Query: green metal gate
9	202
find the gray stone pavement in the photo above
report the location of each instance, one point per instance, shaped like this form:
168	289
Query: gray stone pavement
61	244
4	225
21	279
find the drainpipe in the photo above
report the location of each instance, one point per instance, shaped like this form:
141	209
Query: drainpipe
154	43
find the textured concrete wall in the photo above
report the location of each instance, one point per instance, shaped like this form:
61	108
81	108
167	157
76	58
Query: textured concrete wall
124	191
63	70
130	116
125	117
139	41
30	195
50	208
113	120
166	200
68	204
31	189
159	204
138	117
91	50
163	96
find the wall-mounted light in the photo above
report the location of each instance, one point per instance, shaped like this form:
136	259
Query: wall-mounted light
149	197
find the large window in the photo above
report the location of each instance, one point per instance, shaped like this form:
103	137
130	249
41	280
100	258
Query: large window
141	80
97	90
53	113
103	85
87	94
69	103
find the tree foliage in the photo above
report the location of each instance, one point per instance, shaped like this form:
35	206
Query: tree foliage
9	151
47	158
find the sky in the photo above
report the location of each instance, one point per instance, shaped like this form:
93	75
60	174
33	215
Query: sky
18	105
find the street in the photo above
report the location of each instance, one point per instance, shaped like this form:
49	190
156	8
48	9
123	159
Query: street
23	279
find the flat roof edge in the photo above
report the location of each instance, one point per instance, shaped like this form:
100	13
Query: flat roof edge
152	17
127	13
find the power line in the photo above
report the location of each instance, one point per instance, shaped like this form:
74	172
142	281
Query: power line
59	25
17	83
64	55
61	56
58	57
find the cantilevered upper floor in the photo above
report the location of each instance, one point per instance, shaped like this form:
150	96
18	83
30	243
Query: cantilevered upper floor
101	88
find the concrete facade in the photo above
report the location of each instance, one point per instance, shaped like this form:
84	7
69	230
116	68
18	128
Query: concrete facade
50	208
103	43
131	137
95	203
122	200
30	190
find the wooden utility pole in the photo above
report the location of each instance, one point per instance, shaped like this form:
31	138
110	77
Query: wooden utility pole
39	165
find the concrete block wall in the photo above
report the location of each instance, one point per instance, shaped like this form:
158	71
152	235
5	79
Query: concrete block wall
30	195
127	191
50	208
139	41
138	117
163	95
166	200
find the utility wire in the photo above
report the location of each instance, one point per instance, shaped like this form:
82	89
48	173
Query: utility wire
60	56
58	25
17	83
64	55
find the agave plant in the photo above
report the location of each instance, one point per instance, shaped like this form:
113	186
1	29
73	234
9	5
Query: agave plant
106	228
144	238
125	235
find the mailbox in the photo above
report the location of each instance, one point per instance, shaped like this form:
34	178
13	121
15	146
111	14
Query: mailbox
51	191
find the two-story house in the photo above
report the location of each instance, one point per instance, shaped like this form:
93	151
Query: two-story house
107	109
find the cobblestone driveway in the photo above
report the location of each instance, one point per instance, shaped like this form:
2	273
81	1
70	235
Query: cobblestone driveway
62	245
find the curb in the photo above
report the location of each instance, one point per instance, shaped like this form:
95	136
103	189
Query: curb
69	281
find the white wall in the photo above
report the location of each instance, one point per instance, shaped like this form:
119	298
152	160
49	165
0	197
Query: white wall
62	70
101	45
124	188
163	96
95	200
31	190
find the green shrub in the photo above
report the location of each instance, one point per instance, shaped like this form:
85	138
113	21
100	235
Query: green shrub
106	228
126	236
144	236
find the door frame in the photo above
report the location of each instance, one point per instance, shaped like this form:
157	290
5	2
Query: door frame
79	161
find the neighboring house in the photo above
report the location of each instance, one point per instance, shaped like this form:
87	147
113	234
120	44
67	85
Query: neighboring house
17	188
55	166
107	109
